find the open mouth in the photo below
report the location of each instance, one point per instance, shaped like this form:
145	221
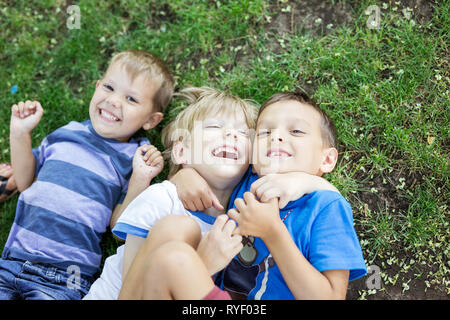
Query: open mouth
108	116
226	152
278	153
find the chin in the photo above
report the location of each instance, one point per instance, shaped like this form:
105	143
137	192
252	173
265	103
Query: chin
223	176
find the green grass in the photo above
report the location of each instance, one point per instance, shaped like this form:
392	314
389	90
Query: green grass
386	89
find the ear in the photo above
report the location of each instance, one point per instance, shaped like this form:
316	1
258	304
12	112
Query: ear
97	84
329	160
153	121
179	153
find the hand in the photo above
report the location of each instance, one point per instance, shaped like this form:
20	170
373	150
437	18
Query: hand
255	218
25	116
288	186
147	163
194	192
219	245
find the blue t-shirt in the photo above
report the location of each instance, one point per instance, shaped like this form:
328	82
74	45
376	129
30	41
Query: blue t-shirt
321	225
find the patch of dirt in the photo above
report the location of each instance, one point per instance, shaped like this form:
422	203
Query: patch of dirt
311	16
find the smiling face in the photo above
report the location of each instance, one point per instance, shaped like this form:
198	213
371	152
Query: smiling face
219	149
121	106
289	138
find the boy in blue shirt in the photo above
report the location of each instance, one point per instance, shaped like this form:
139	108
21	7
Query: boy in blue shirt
309	249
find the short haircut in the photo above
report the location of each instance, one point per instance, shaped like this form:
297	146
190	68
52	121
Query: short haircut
138	62
329	135
203	102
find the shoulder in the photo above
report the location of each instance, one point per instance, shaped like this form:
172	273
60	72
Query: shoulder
317	209
326	198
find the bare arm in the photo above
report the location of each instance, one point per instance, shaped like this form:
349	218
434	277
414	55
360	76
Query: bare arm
304	281
288	186
147	164
24	118
132	246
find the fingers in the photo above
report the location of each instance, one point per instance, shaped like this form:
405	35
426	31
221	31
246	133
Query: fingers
229	226
219	223
249	198
283	202
258	183
270	194
24	109
215	202
150	155
234	214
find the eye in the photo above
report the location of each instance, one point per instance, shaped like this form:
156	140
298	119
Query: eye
297	132
131	99
108	87
263	132
243	132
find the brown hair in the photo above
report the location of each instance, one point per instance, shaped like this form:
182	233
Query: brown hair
137	62
328	128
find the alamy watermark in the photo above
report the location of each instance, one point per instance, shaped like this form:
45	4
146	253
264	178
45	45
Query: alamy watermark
74	19
374	13
373	280
74	280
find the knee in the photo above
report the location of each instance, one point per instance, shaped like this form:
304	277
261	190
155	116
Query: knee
172	257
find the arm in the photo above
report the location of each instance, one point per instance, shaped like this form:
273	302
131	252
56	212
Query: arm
305	282
193	191
147	164
288	186
219	245
132	245
24	118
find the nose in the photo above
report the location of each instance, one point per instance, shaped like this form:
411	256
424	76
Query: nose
230	133
114	100
276	136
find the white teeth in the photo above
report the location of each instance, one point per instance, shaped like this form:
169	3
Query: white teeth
279	154
108	115
225	152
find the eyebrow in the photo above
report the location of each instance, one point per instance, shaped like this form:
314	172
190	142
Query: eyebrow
269	123
130	92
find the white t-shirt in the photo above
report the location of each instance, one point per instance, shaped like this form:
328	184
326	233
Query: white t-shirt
154	203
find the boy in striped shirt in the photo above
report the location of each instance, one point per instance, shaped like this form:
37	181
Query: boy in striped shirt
80	179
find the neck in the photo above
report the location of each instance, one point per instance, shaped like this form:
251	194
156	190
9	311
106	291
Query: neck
224	196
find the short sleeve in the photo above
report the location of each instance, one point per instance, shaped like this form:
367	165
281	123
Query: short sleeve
334	244
145	210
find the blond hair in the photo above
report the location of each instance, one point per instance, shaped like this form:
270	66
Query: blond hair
138	62
203	102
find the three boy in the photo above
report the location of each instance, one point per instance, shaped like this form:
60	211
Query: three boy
312	240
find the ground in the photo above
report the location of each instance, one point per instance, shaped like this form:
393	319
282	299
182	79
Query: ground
386	88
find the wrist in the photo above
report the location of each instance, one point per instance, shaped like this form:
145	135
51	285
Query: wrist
138	182
274	232
19	134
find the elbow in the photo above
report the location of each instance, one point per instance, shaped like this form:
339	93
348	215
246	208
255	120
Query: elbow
22	187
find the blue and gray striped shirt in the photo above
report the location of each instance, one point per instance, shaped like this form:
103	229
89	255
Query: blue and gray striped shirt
80	178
